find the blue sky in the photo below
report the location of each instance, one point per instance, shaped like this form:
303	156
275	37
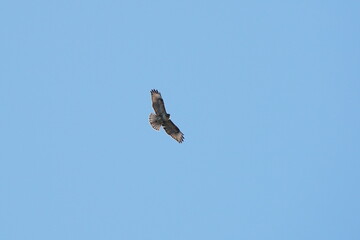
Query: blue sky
266	93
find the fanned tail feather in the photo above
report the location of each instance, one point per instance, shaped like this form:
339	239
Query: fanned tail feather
154	122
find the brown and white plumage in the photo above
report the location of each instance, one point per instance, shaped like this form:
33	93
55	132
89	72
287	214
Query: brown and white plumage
162	118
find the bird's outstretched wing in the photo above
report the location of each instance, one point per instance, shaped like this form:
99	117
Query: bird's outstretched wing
173	131
157	102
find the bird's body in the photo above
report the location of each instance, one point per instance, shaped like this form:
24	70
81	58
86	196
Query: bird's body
162	118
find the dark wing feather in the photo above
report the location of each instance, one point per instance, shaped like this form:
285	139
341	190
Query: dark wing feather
173	131
157	102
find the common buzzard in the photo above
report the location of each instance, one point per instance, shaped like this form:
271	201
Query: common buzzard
162	118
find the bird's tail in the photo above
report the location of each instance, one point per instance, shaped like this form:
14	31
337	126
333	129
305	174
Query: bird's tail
154	122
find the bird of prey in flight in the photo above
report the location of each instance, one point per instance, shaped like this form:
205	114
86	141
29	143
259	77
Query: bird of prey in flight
162	118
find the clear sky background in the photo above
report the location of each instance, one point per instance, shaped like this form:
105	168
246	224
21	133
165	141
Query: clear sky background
267	94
